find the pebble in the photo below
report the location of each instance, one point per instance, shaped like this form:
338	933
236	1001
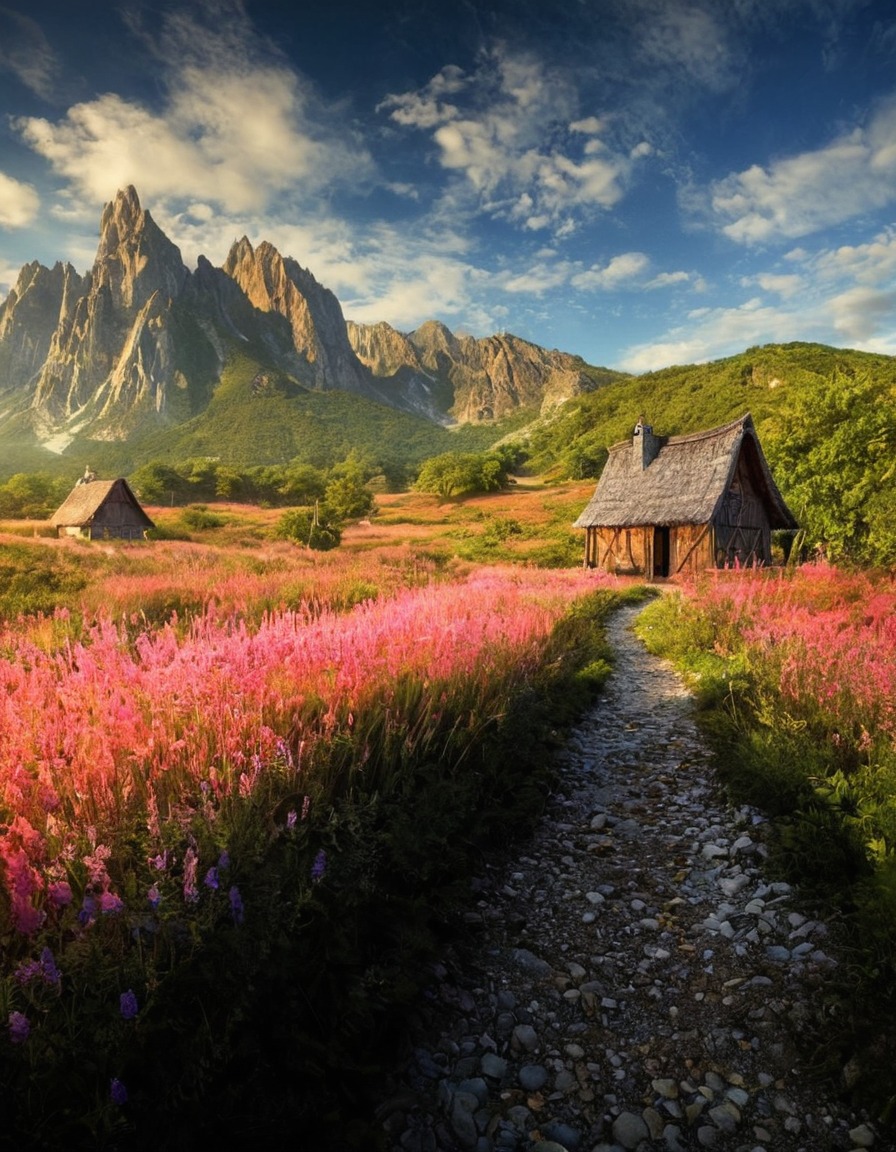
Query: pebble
632	979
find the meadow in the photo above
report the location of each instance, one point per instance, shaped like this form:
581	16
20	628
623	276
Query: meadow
242	786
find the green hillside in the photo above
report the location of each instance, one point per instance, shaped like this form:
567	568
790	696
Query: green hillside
826	418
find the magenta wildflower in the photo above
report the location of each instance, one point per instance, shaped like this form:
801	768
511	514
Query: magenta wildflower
110	903
224	861
118	1094
59	893
160	862
154	896
291	817
236	905
128	1003
319	867
211	878
19	1027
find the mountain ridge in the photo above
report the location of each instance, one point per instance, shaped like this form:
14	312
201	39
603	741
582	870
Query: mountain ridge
140	343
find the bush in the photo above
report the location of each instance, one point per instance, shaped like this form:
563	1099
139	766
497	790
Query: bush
314	528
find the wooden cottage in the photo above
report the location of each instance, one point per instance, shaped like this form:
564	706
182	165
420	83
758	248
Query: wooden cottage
666	506
101	510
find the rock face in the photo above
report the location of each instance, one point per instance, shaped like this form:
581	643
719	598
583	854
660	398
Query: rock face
483	379
277	284
140	342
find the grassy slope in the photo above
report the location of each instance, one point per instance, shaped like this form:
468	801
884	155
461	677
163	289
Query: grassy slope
688	398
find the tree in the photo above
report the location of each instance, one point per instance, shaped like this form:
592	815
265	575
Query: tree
347	498
834	462
461	473
31	495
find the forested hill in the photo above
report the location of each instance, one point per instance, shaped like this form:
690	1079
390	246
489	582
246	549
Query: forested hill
826	419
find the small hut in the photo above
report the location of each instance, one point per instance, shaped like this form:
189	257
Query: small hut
101	510
666	506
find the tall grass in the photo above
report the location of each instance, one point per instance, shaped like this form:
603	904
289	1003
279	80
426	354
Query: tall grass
216	829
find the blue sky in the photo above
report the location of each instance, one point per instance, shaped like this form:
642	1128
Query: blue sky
639	182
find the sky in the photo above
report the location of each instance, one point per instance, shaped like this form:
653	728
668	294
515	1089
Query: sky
638	182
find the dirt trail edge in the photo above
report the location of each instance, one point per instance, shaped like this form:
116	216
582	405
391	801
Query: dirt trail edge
630	979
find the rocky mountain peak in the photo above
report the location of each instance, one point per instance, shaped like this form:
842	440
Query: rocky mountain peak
135	258
274	283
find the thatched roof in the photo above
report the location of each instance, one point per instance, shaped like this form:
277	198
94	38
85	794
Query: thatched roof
86	499
685	481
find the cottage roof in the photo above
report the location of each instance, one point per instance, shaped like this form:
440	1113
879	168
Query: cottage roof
685	481
86	498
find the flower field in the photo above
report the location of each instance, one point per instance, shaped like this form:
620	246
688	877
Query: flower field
238	814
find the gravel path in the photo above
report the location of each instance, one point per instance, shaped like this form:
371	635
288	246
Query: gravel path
631	979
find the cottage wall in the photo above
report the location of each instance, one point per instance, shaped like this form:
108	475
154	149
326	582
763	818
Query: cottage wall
742	528
636	551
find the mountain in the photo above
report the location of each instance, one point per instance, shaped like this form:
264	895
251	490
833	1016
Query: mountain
141	347
475	381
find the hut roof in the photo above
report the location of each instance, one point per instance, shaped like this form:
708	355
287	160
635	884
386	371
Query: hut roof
87	497
685	481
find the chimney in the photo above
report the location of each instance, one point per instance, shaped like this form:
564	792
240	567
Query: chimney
644	445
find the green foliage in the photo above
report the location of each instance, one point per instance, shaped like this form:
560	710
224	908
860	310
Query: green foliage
835	454
462	474
33	581
31	496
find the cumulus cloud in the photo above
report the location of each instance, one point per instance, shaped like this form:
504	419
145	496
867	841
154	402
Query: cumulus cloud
621	271
236	126
509	128
799	195
18	202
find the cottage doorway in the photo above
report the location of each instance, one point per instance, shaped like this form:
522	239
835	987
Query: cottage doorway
660	552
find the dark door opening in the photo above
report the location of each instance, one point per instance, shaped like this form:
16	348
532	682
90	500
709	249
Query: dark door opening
661	551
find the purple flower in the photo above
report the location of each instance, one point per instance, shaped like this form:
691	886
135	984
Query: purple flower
88	911
48	968
154	896
129	1006
319	867
211	878
291	817
224	861
28	970
236	905
117	1092
19	1027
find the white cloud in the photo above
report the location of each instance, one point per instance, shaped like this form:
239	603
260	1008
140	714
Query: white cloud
18	202
667	279
798	195
785	286
509	130
714	332
861	314
618	273
237	126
